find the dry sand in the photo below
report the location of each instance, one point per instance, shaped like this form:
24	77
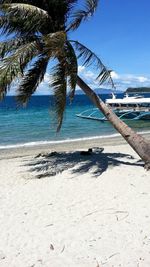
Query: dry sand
95	213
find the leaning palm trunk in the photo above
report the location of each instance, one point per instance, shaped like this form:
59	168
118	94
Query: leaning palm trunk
136	141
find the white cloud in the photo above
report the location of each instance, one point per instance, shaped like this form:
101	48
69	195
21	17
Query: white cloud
90	75
114	75
142	79
131	80
81	69
121	81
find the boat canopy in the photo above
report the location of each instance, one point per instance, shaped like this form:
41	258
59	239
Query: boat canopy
129	100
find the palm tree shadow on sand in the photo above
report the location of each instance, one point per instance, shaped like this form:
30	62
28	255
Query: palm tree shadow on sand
96	162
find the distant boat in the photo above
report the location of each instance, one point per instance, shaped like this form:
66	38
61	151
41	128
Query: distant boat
128	108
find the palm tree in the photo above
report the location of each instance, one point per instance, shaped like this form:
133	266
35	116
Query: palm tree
37	32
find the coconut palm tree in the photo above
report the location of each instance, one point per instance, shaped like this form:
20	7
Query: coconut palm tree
37	32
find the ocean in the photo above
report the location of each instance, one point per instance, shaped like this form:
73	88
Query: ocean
34	124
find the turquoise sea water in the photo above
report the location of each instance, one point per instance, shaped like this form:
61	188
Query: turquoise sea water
34	124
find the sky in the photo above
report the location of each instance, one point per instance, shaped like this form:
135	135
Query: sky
119	33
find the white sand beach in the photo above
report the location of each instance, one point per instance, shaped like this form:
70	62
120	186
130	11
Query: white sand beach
95	213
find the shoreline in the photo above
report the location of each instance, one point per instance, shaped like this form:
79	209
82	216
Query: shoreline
66	145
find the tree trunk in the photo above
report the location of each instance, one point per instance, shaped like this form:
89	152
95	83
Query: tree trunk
136	141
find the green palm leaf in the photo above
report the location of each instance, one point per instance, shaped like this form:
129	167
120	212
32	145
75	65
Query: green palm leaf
90	58
54	43
7	75
23	9
82	15
22	18
72	69
31	80
10	46
59	87
13	66
105	76
16	1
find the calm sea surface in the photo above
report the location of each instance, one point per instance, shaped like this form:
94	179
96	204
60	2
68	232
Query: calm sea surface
34	124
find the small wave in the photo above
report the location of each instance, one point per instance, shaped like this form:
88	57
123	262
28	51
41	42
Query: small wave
41	143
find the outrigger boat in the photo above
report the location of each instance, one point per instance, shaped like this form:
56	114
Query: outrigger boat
127	108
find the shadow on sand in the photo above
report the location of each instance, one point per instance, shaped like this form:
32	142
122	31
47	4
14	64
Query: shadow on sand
96	162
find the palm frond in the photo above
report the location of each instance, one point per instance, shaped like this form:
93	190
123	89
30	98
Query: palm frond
54	43
13	66
72	69
23	9
14	1
90	58
10	46
70	5
31	80
59	84
105	76
7	74
18	26
20	18
82	15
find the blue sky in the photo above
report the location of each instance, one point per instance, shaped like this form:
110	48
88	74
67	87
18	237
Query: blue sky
119	34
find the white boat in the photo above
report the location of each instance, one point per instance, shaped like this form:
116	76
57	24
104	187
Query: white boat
128	108
129	102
